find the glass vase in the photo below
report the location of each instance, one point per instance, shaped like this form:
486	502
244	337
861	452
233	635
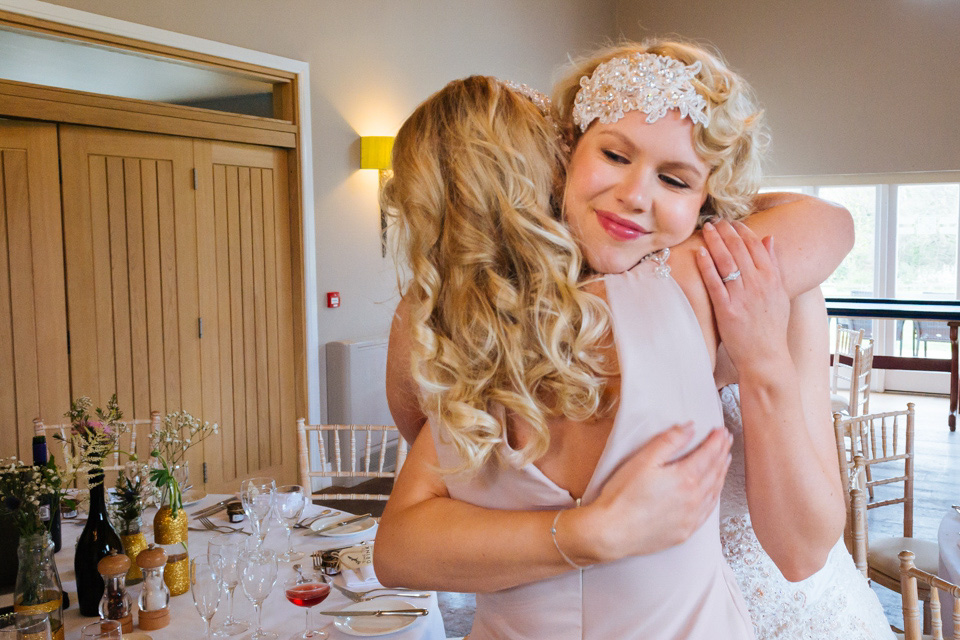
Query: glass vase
38	589
96	541
133	543
171	533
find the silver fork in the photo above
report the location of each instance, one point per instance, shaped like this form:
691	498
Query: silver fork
219	528
360	596
306	522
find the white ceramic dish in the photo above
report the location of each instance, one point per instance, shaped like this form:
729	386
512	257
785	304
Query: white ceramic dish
345	530
375	626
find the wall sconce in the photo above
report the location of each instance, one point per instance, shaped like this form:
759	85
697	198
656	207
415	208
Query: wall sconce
375	154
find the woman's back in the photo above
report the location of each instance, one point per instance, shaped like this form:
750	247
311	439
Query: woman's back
685	591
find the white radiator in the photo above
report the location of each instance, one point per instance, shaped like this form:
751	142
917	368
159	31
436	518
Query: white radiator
356	391
356	382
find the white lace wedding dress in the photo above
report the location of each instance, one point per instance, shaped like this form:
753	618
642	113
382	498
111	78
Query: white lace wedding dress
836	603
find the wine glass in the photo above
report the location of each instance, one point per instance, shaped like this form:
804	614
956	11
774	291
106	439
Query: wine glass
306	593
257	575
205	587
102	630
290	500
25	626
230	549
256	494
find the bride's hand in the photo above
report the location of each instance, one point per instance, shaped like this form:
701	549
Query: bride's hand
752	310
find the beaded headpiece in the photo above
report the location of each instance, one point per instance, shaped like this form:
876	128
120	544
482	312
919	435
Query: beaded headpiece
640	82
541	102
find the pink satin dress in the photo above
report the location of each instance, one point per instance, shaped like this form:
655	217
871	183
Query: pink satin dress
685	592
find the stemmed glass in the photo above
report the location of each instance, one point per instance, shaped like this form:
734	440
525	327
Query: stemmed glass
290	500
306	593
17	626
256	494
257	575
229	548
101	630
205	587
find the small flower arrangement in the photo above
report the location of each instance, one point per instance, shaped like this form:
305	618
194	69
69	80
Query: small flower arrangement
24	487
93	438
132	493
169	445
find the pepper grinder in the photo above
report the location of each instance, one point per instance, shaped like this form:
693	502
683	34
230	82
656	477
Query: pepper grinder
154	600
116	603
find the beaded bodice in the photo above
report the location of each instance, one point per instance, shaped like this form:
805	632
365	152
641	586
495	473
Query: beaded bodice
833	604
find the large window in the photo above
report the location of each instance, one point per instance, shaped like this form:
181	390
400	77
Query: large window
906	247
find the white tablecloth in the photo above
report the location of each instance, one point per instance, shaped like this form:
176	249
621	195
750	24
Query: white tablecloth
949	540
279	615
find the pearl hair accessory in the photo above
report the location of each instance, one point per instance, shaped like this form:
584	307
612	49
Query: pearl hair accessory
539	99
640	82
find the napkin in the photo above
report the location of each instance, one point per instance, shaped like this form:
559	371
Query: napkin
359	579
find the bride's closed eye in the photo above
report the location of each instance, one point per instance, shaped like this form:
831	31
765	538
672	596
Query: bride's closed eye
613	156
674	182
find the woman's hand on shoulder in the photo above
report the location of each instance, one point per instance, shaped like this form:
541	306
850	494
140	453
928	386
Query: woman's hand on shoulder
752	309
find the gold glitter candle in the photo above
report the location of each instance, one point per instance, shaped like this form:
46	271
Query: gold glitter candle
176	574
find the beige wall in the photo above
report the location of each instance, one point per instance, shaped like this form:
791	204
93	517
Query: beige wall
850	86
371	62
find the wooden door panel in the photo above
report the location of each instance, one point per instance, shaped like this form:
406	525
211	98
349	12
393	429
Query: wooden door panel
131	269
33	336
243	292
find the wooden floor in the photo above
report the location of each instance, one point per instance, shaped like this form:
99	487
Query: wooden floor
936	481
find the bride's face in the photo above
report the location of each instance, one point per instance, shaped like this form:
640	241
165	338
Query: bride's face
634	188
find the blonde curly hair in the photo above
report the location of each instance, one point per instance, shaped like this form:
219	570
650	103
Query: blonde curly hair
732	143
500	325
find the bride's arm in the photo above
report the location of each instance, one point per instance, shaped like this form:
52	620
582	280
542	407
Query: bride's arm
813	236
401	388
793	482
428	540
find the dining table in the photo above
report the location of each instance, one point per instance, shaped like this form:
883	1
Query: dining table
279	615
948	538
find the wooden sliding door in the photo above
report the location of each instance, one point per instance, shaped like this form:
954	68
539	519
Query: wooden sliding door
247	303
130	247
179	288
34	376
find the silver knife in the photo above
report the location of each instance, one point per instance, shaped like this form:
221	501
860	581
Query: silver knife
378	612
206	511
342	523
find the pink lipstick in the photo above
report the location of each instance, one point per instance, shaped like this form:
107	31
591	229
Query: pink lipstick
618	227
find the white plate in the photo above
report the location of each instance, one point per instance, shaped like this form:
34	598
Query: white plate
345	530
193	496
376	626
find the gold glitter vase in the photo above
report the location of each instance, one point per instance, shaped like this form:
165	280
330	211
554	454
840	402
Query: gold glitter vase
133	544
167	531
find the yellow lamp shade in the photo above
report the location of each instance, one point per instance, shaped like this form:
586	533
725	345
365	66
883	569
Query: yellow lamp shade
375	152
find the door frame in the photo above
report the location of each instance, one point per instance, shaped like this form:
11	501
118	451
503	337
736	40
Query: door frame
302	194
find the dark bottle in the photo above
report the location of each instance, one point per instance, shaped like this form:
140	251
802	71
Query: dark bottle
49	513
96	541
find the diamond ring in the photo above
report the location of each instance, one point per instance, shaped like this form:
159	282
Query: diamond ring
733	276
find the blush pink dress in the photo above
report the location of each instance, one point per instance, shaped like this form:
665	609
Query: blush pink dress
685	592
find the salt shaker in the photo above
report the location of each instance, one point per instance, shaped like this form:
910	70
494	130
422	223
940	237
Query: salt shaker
116	603
154	601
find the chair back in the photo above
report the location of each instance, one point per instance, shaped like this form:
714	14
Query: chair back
912	617
860	379
346	455
884	444
129	443
846	341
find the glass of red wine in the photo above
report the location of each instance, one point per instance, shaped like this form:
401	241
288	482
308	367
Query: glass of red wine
306	592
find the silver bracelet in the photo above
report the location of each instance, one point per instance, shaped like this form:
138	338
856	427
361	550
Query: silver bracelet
553	535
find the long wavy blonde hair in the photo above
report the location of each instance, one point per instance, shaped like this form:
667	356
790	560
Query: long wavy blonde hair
500	325
732	143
